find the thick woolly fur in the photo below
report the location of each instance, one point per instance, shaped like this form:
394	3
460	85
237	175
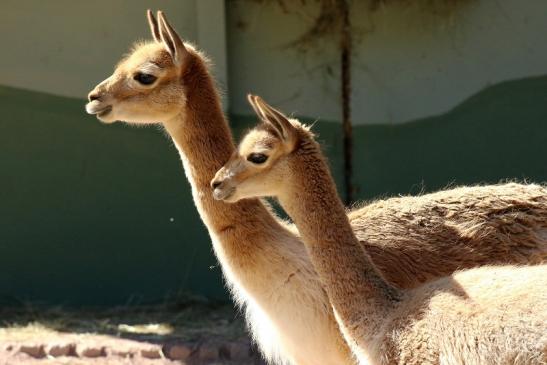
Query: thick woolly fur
426	236
487	315
263	259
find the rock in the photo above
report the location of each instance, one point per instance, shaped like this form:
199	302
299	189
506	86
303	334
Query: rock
208	352
62	350
93	352
152	353
36	351
240	351
177	351
224	352
126	354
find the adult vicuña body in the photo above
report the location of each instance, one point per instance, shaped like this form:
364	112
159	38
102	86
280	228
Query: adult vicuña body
490	315
263	260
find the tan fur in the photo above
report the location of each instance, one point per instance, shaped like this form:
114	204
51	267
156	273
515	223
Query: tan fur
265	264
454	229
489	315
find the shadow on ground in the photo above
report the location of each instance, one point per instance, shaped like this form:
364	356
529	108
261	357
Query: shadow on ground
190	331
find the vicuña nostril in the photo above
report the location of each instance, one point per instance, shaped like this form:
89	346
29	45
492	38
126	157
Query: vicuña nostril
93	96
216	184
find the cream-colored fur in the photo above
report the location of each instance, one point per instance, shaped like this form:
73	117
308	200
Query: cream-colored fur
488	315
265	264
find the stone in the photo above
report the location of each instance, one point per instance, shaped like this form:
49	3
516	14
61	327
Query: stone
177	351
240	351
208	352
126	354
62	350
36	351
152	353
93	352
224	352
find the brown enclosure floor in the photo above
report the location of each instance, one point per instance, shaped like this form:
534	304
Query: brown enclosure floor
175	333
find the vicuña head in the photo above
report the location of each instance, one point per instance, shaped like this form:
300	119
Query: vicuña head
262	162
147	86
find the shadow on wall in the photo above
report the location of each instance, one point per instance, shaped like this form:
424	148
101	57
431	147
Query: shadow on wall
95	214
500	133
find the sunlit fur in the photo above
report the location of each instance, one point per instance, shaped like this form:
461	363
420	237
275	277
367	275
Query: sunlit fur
136	103
488	315
263	260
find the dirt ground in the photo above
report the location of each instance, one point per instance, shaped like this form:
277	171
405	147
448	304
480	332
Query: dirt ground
190	332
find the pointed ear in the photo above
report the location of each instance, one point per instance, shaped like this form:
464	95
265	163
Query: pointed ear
153	23
171	40
286	131
259	113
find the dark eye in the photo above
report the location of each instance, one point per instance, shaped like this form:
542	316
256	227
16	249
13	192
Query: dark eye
257	158
145	79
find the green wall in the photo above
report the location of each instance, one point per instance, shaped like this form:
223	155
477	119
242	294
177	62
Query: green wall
86	209
500	133
96	214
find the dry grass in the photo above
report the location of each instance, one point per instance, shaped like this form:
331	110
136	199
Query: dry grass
189	321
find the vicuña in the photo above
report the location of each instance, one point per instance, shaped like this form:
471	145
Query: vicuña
410	239
483	316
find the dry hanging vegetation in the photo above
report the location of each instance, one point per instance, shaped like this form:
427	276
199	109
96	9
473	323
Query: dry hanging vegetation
329	21
334	20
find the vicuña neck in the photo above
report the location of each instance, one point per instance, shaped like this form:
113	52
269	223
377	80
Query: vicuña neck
359	295
203	139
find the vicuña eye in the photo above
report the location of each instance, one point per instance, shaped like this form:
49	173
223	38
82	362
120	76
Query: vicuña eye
145	79
257	158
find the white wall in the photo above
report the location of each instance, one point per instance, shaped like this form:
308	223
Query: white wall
262	62
408	63
66	47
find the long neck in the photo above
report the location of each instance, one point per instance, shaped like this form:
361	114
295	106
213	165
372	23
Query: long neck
202	136
359	295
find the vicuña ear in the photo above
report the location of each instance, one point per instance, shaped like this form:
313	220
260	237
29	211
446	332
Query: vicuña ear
286	131
171	40
252	100
153	23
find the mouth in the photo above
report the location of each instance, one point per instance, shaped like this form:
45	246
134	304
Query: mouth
223	194
95	108
104	112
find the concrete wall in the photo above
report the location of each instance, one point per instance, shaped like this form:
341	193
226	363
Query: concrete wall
96	214
99	214
409	62
66	47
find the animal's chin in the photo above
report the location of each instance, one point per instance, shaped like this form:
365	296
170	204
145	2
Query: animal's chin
231	199
106	117
225	195
104	112
109	117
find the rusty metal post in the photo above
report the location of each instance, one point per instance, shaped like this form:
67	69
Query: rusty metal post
345	51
